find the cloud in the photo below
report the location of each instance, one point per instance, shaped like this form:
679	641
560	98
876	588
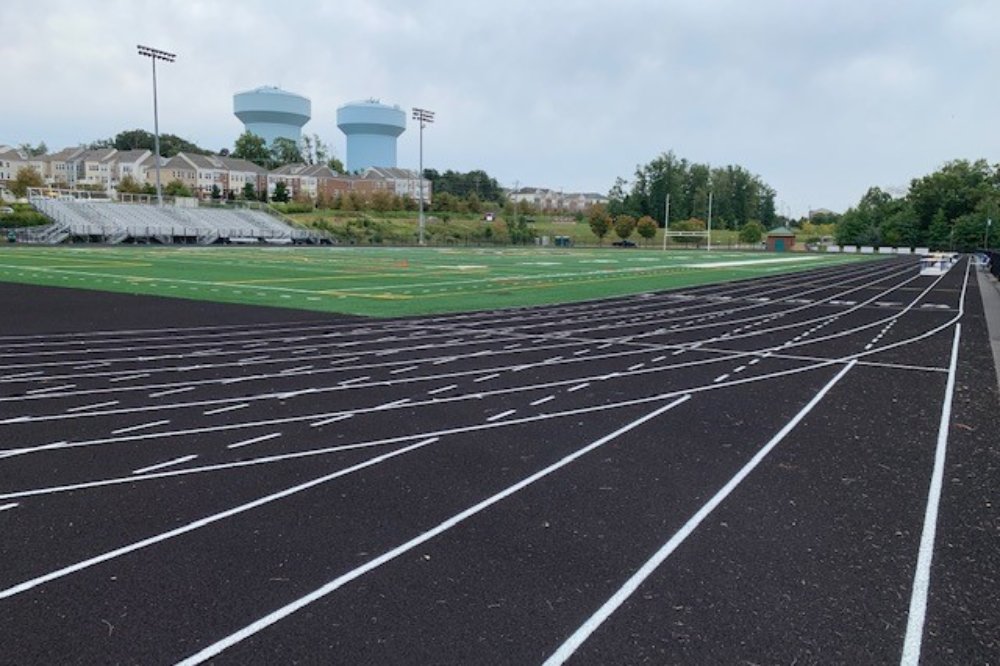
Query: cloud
822	99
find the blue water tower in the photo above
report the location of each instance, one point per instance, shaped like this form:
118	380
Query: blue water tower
372	129
271	112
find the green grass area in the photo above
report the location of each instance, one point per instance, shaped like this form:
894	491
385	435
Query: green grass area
384	282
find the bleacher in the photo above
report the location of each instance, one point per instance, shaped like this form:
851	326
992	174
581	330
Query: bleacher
94	220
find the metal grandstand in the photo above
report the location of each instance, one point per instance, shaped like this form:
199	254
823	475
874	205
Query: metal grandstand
79	216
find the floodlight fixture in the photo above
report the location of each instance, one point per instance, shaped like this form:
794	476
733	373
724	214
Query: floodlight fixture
154	55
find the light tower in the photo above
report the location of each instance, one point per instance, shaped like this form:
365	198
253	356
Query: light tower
154	55
272	113
424	117
372	129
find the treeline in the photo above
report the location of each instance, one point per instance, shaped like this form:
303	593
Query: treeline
738	196
949	209
465	185
139	139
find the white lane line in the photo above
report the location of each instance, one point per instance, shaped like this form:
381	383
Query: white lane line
754	361
721	378
486	378
577	387
248	442
542	401
348	382
328	421
394	403
169	463
501	415
160	394
632	584
581	352
91	366
208	520
344	360
50	389
141	426
658	359
399	371
388	556
22	375
738	369
636	366
301	368
7	507
230	408
83	408
442	389
442	361
922	574
126	378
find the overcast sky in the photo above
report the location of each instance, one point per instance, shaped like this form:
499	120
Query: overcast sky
822	99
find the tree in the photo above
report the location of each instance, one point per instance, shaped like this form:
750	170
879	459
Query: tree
252	148
284	151
646	227
599	221
129	185
280	192
216	192
624	226
176	188
248	191
336	165
751	232
26	177
33	151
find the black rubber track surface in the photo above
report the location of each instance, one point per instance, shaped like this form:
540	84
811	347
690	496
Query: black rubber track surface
472	489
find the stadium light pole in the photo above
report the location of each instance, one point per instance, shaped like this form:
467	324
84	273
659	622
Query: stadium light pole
154	55
424	117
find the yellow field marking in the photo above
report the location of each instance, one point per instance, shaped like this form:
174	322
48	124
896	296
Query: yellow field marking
354	294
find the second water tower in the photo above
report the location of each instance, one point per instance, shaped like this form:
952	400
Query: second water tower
372	129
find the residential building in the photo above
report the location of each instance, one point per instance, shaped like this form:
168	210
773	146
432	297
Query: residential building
401	182
550	200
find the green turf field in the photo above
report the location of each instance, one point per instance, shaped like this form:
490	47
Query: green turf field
385	282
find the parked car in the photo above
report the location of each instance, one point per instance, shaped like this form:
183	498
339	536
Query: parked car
624	243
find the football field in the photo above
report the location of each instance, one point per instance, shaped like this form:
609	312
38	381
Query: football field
385	282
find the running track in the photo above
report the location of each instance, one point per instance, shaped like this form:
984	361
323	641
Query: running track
796	469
